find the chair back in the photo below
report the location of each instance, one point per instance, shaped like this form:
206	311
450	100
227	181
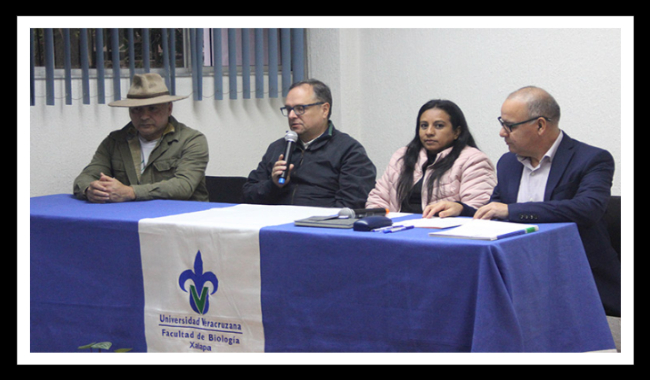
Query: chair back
225	189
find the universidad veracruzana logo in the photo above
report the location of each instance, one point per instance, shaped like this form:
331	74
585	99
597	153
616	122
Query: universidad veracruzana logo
199	297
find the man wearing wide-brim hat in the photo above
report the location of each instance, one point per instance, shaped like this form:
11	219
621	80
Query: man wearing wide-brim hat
152	157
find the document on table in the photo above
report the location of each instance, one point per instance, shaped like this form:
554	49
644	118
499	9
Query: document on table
435	222
486	230
393	215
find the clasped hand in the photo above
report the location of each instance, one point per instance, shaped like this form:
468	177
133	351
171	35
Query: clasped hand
494	210
109	189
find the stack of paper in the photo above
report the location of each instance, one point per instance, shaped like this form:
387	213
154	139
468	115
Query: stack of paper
435	222
486	230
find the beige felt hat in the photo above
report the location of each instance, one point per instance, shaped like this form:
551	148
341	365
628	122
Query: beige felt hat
146	89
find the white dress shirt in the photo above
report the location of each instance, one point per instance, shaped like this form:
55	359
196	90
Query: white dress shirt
533	179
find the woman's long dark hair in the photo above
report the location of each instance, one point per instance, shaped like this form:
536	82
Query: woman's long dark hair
410	158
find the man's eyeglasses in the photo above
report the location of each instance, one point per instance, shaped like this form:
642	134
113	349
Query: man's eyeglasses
510	126
299	109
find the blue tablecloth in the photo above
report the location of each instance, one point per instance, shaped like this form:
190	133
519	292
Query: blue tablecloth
325	290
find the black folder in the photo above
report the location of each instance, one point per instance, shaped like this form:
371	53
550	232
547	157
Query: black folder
326	221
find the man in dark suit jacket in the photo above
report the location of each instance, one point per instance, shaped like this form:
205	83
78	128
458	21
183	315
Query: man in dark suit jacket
548	177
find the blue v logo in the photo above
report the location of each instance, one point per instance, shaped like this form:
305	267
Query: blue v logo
199	297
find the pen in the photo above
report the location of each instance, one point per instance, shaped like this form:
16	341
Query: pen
382	229
397	229
516	233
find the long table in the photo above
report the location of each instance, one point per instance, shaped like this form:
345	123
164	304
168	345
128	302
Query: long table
323	289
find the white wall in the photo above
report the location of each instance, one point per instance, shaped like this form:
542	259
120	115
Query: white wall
64	137
389	73
379	78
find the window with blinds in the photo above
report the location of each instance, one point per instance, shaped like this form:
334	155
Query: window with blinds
260	58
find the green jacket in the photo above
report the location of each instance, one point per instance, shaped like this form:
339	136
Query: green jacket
175	170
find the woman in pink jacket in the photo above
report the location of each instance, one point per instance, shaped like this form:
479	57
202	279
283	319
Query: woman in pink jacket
441	163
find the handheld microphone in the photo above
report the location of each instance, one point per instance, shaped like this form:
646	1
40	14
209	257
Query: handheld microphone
290	137
361	212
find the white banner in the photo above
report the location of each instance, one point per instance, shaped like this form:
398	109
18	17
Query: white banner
202	277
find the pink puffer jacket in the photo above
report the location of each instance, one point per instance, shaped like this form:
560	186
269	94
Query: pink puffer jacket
470	180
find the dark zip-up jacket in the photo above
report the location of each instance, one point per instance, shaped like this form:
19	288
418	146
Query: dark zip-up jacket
334	171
